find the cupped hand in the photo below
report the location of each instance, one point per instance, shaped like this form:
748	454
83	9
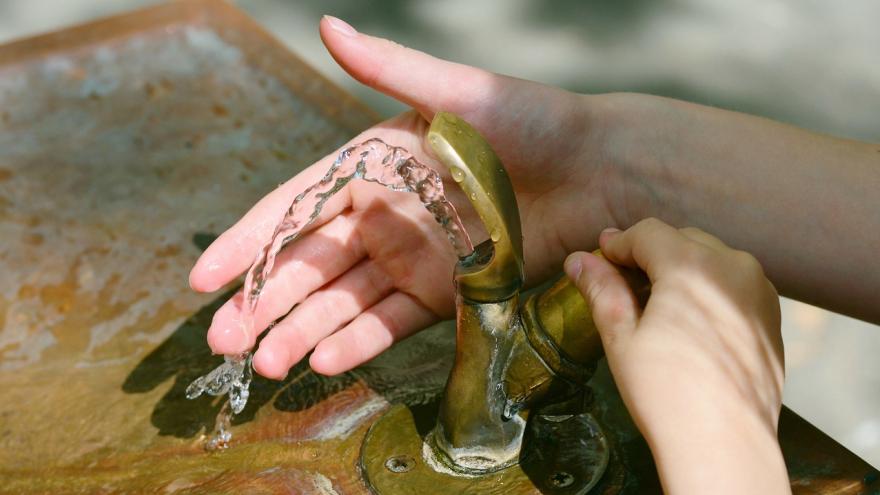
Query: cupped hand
700	368
375	267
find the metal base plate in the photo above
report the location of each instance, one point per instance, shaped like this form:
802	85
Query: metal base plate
564	455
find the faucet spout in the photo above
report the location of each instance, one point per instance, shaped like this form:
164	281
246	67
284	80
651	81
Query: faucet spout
494	272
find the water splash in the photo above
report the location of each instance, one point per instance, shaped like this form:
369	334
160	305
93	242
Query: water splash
511	409
233	377
372	161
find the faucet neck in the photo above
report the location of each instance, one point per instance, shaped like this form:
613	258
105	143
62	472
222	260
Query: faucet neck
476	432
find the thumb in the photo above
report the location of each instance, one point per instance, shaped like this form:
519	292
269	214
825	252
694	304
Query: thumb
417	79
614	306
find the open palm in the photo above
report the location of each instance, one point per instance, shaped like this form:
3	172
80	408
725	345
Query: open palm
377	268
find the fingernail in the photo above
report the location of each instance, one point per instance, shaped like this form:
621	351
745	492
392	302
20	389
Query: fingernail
573	266
340	26
610	231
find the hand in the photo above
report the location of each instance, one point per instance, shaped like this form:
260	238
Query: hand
701	367
377	267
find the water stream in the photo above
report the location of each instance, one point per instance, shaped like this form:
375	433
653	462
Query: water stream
371	161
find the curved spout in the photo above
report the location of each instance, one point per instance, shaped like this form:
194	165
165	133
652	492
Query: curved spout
495	271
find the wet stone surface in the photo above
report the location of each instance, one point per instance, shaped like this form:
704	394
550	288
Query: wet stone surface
120	160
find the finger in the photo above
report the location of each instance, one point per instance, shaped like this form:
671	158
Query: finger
651	245
234	251
614	307
392	319
415	78
321	314
300	269
703	237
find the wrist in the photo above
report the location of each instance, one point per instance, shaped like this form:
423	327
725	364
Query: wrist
636	140
710	448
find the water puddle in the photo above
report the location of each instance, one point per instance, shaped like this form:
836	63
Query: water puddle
371	161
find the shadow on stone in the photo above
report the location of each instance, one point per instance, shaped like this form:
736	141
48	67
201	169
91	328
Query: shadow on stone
185	357
413	372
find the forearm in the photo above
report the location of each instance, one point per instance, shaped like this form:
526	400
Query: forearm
806	205
729	457
704	436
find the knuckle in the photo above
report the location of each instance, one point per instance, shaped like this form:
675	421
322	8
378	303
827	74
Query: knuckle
693	231
694	254
375	76
748	264
597	287
615	310
388	321
609	305
648	224
376	280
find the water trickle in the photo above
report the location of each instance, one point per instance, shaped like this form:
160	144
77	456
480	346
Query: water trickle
511	409
371	161
233	377
222	430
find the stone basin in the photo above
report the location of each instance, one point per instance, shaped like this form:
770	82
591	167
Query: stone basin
126	146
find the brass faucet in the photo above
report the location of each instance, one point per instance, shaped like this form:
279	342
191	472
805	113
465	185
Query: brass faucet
517	368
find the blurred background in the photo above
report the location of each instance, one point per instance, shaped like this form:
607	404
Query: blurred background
815	64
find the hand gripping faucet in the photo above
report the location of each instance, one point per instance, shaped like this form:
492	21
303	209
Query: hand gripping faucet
514	415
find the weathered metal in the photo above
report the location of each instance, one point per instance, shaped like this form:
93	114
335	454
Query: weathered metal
125	146
562	455
495	272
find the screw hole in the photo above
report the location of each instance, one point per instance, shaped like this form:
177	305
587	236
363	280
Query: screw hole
400	463
561	479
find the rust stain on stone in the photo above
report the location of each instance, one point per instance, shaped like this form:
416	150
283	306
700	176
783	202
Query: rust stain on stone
248	164
219	110
34	239
167	251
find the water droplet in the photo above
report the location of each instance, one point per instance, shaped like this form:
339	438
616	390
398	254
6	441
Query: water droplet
457	174
510	410
495	234
473	196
